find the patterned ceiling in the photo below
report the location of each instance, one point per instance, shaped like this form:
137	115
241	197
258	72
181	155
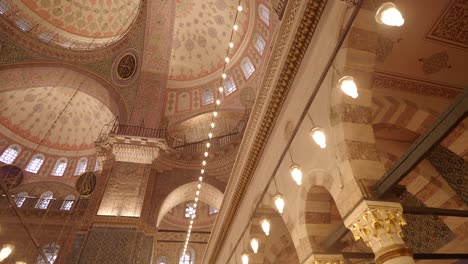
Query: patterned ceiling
201	36
30	113
74	23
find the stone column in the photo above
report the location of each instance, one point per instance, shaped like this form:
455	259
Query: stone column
379	224
325	259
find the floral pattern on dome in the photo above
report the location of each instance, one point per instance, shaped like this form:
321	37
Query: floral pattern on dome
74	24
30	113
201	36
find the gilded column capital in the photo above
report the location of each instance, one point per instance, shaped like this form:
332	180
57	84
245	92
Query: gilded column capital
326	259
378	224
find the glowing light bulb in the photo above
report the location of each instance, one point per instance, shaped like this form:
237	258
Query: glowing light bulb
296	174
266	225
348	86
6	251
196	199
389	15
204	163
224	75
226	59
254	245
200	178
215	114
318	135
206	154
212	124
231	45
199	186
210	135
279	202
220	89
239	8
236	27
218	102
202	171
208	145
245	258
197	193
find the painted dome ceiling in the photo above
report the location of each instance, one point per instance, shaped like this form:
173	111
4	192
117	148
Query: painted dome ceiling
201	37
30	113
197	128
73	24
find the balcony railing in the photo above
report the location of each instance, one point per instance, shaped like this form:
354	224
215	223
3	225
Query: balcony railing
199	146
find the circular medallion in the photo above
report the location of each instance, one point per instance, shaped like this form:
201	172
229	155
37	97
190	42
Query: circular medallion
86	184
11	176
127	66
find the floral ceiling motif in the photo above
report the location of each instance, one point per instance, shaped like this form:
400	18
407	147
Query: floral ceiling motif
30	113
201	35
73	24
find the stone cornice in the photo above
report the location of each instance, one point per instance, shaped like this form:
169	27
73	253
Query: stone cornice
299	24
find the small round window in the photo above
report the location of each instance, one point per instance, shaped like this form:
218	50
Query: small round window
127	67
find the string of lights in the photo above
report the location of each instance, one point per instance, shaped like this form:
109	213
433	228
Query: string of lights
217	103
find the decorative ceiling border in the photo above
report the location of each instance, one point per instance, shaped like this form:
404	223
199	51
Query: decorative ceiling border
263	118
393	81
448	29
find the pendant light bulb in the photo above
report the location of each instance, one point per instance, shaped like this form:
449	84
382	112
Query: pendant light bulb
389	15
218	102
204	163
220	89
279	203
210	135
208	145
348	86
226	59
239	8
318	135
266	225
215	114
296	173
236	27
224	75
245	258
212	124
254	245
206	154
231	45
6	251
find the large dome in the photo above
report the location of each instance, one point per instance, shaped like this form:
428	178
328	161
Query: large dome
201	37
38	116
73	24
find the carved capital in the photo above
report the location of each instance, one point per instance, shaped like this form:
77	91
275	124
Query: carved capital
378	224
326	259
130	149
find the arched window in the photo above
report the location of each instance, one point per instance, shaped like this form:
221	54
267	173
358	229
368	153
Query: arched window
51	252
97	166
20	198
4	7
81	166
23	24
10	154
44	201
162	260
189	210
229	85
259	43
35	163
60	167
188	257
207	96
68	202
264	13
247	67
212	211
